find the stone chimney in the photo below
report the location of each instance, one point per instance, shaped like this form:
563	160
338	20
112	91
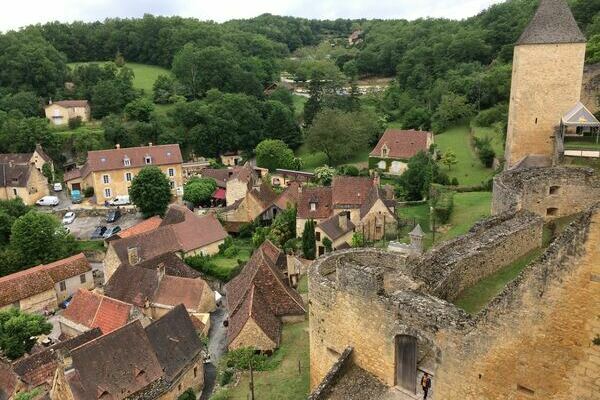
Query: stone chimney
117	146
160	271
133	256
150	144
343	221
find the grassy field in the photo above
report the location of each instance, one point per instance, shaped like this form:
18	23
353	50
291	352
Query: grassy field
229	263
468	209
469	171
145	75
284	382
497	140
90	245
299	102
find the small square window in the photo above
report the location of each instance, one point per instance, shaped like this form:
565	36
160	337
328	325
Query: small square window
148	160
63	286
127	162
82	278
313	206
554	190
107	192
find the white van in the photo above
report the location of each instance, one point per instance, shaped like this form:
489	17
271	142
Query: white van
120	201
48	201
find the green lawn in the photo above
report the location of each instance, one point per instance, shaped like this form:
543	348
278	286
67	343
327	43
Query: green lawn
581	143
285	381
299	102
497	140
475	298
303	284
469	171
468	208
145	75
90	245
229	263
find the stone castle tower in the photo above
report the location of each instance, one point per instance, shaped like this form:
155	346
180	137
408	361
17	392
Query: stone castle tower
546	82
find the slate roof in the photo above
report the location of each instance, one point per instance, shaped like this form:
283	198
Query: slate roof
96	311
193	231
144	226
174	290
350	190
552	23
261	272
70	103
32	281
39	368
175	341
254	307
149	244
115	366
322	196
402	144
331	227
15	175
132	284
113	159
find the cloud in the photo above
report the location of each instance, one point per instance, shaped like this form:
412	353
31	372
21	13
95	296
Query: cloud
24	12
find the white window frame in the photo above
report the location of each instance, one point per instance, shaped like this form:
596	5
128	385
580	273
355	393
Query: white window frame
313	206
106	178
148	160
171	172
107	190
128	175
127	162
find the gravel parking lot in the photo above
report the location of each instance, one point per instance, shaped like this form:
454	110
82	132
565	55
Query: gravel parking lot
83	227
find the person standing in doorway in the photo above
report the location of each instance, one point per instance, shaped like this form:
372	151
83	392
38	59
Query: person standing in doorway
425	385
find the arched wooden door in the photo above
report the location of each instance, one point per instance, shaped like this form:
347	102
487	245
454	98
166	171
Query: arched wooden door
406	362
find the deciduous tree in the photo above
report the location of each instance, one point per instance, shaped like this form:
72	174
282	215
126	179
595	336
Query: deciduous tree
150	192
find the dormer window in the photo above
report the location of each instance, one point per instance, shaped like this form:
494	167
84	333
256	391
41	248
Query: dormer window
148	160
126	162
313	206
384	151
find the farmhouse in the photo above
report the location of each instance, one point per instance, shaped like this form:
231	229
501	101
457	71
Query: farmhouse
43	287
396	147
21	175
60	112
110	172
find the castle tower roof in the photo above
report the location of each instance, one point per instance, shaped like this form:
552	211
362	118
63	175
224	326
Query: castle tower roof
553	22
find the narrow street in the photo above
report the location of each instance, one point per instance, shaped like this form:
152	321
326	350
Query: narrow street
217	346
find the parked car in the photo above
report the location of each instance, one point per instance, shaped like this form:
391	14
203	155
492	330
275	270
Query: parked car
68	218
48	201
120	201
57	187
98	232
111	231
66	303
113	215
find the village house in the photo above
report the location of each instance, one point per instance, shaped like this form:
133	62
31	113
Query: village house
159	361
368	207
158	285
37	370
259	299
338	229
236	181
88	310
181	231
21	175
231	158
396	147
110	172
60	112
43	287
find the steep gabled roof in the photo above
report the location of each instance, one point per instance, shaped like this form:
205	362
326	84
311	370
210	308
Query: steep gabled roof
132	284
149	244
174	340
116	365
8	381
193	231
174	290
93	310
14	175
144	226
401	144
552	23
331	227
269	280
220	175
350	190
174	266
290	196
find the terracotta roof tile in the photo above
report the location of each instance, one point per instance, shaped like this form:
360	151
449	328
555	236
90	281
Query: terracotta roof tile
402	144
144	226
174	266
350	190
322	196
96	311
68	267
173	290
289	197
193	231
221	176
113	159
70	103
132	284
14	175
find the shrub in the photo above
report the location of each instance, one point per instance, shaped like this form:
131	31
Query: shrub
485	151
227	243
247	230
492	115
88	191
454	182
231	251
206	266
225	376
442	202
187	395
327	244
75	122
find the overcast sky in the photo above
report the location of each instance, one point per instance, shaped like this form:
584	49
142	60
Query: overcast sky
19	13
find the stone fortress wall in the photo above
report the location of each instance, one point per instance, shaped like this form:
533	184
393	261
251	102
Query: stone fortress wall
549	192
534	339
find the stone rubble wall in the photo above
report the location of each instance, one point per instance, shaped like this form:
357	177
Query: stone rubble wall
321	391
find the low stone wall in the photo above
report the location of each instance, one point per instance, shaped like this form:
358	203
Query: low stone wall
549	192
321	391
489	246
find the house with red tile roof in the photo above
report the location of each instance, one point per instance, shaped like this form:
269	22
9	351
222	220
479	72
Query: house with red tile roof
366	206
90	310
42	287
259	299
159	361
60	112
110	172
396	147
142	227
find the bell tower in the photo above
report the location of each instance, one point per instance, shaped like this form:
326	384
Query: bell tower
546	82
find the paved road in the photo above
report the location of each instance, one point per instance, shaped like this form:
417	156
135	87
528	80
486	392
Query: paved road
217	346
83	227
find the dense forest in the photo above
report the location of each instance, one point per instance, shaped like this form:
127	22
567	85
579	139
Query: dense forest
445	71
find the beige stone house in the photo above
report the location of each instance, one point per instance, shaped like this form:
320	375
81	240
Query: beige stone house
159	361
43	287
181	232
396	147
110	172
60	112
369	208
338	229
21	176
231	158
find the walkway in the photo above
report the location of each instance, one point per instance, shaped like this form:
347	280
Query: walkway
217	346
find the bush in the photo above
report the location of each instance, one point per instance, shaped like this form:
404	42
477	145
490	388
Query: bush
75	122
187	395
454	182
239	359
247	230
442	202
231	251
485	151
227	243
492	115
88	191
348	170
225	377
